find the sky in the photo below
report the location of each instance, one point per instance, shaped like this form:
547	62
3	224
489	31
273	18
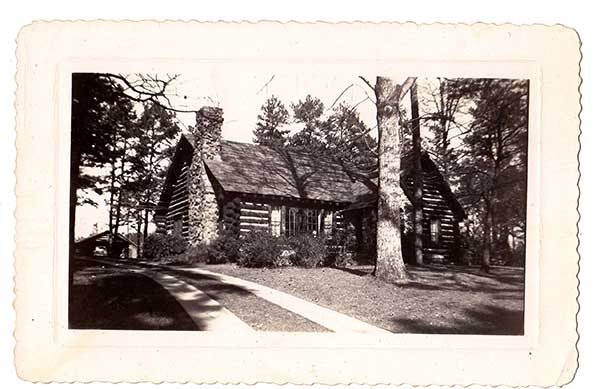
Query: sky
241	91
241	94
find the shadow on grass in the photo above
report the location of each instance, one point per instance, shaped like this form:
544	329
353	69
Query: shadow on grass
454	278
210	285
484	320
105	297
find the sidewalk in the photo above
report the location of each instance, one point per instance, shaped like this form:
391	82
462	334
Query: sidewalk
332	320
210	315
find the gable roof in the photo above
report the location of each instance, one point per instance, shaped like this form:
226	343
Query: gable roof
103	234
268	171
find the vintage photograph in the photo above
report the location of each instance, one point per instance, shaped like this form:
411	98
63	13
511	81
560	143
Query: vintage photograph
290	201
294	203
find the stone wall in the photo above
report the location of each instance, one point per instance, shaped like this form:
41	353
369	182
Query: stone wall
204	208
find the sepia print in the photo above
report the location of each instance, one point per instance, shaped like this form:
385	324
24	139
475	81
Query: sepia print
396	208
295	203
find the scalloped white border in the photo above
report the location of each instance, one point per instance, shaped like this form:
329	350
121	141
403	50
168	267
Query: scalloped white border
46	351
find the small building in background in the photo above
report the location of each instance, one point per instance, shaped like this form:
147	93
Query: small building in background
103	245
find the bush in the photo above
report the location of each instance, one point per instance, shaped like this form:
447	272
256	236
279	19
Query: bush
309	251
225	248
261	249
159	245
191	256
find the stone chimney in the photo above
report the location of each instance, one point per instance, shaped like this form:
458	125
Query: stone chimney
203	207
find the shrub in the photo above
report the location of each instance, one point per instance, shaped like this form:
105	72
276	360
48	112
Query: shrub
261	249
225	248
191	256
159	245
309	250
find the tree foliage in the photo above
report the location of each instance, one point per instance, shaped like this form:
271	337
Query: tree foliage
494	171
308	112
347	138
112	149
100	114
341	135
270	130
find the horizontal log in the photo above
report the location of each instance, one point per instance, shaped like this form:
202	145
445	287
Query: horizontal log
178	214
254	206
183	189
178	197
433	206
254	212
178	205
254	219
253	224
435	202
182	178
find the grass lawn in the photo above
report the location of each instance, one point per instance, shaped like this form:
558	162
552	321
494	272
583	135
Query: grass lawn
439	300
111	298
259	314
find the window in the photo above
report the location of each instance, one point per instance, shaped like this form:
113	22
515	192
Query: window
300	221
178	228
435	227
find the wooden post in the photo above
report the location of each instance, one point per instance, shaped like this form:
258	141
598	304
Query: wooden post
418	173
283	219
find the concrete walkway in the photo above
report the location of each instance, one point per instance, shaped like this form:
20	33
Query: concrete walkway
207	314
330	319
210	315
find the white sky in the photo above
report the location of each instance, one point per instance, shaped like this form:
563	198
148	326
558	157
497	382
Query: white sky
241	91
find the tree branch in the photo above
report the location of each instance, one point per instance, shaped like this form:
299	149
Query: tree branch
367	82
147	89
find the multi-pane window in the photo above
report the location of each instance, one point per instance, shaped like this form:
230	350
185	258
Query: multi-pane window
301	221
435	229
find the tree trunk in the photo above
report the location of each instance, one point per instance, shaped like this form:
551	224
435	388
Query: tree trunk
112	197
122	179
487	239
146	211
390	265
75	162
140	244
418	172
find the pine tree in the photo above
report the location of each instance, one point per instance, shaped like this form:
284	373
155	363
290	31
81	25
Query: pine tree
155	136
270	130
493	171
308	112
347	138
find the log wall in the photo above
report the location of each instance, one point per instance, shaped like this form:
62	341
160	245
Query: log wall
436	206
179	205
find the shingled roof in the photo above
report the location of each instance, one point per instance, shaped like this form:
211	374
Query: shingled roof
267	171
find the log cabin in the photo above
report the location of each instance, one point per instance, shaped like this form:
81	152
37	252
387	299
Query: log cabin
285	193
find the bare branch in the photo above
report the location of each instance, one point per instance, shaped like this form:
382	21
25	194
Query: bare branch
367	82
266	84
146	89
339	96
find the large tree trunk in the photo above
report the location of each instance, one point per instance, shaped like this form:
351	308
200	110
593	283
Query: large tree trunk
418	175
146	212
140	243
487	238
111	202
390	265
75	162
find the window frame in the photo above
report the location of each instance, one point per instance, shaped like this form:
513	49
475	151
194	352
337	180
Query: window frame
435	234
